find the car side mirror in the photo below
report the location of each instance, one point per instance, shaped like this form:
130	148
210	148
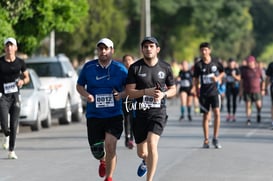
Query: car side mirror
69	74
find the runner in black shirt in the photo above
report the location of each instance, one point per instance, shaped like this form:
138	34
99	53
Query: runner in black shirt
269	81
209	71
233	78
150	81
13	75
186	90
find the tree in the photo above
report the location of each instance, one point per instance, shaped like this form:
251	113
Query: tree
33	20
104	20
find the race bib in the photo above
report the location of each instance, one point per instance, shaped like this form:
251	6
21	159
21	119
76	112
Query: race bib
104	100
230	79
207	79
149	102
10	87
185	83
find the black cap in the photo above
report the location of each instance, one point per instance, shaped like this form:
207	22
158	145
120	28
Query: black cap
151	39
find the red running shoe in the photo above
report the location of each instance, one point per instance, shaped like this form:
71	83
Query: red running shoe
102	168
130	144
108	179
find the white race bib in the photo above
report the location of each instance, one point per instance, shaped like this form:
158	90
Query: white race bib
149	101
230	79
104	100
10	87
185	83
207	79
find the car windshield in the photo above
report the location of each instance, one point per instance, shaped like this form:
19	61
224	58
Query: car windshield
51	69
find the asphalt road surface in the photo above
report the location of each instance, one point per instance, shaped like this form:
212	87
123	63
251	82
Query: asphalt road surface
61	153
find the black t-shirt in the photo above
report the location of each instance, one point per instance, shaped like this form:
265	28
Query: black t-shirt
205	72
186	78
145	76
10	71
230	80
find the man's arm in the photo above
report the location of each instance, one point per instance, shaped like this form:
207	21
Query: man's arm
82	91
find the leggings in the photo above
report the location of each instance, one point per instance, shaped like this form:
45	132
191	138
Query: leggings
9	110
231	93
128	122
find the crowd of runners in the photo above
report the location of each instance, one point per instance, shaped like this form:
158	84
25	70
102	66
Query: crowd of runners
247	80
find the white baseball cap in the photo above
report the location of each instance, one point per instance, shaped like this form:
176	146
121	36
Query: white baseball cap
11	40
107	42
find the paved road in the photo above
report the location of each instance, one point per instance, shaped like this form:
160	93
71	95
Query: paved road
61	153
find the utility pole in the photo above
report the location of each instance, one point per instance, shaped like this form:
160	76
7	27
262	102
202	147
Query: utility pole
145	23
52	44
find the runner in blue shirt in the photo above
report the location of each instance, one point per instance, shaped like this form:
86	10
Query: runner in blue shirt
102	82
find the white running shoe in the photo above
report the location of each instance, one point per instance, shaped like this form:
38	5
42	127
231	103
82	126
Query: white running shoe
5	144
12	155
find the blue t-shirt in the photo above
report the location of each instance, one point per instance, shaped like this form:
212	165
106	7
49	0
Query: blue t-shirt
100	82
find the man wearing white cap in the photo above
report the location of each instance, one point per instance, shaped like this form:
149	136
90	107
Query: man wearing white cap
104	79
13	75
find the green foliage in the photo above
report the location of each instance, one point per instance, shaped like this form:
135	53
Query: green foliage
6	28
104	20
33	20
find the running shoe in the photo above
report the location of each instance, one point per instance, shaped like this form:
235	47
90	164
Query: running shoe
216	143
189	117
12	155
228	118
248	122
5	144
181	118
130	144
142	169
258	118
233	118
102	168
206	144
108	179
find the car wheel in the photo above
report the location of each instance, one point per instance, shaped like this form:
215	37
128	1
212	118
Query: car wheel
67	114
78	114
48	121
36	126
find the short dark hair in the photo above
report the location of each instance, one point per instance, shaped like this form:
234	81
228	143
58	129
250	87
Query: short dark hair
204	45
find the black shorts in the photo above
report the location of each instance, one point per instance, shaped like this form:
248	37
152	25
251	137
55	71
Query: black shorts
186	89
152	120
205	102
97	127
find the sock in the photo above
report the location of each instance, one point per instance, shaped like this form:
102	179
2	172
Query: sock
182	110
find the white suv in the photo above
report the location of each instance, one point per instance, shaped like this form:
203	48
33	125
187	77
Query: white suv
58	76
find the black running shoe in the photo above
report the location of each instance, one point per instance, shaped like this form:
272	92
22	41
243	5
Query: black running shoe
216	143
189	117
258	118
248	122
206	144
181	118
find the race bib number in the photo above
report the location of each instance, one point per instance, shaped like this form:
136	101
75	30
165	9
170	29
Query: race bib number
185	83
104	100
230	79
10	87
207	79
150	102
